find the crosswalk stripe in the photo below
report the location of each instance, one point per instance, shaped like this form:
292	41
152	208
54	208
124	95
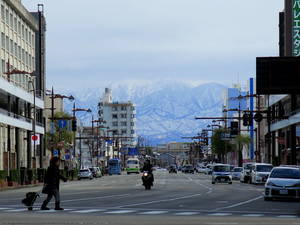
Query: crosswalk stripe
186	213
253	215
286	216
16	210
120	211
88	211
220	214
153	212
47	211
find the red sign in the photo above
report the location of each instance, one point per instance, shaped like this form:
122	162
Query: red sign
34	137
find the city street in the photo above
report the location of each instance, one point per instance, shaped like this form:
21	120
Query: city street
175	199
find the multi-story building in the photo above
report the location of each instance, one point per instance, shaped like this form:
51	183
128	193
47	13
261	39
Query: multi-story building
120	117
21	87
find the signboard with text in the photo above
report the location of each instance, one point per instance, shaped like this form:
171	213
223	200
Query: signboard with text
296	27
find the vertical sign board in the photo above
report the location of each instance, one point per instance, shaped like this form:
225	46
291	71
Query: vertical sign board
251	117
296	27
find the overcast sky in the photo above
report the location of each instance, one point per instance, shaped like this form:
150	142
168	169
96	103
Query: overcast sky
93	42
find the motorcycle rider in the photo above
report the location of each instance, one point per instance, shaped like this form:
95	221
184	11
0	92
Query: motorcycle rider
148	167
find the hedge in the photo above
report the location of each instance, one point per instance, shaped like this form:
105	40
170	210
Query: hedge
3	174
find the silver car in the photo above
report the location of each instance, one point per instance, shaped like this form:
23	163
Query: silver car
236	173
283	182
221	174
85	174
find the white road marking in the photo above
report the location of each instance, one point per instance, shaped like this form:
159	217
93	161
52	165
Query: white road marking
4	208
120	211
153	212
287	216
186	213
253	215
239	204
89	211
16	210
220	214
163	200
47	211
86	199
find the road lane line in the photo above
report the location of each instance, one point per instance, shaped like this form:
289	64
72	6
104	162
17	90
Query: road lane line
286	216
16	210
154	212
220	214
253	215
89	211
86	199
239	204
186	213
120	211
158	201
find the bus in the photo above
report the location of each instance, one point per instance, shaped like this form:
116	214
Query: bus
133	165
114	166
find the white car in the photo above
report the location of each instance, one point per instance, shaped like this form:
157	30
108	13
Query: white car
260	172
85	174
201	169
283	182
221	174
236	173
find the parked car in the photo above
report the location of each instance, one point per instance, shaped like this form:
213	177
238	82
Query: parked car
85	174
96	172
283	182
208	170
188	169
221	174
200	169
236	173
246	173
260	172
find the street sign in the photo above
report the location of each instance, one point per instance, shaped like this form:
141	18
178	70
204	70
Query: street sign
55	152
52	128
62	123
35	139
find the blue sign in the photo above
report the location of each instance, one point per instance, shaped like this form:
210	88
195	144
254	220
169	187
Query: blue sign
55	152
133	151
62	123
67	157
109	142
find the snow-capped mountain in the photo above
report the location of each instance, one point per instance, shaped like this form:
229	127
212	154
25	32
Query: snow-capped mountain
166	110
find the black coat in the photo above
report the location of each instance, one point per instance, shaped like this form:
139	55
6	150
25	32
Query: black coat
52	178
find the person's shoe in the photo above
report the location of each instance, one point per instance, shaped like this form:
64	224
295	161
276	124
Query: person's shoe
57	206
45	208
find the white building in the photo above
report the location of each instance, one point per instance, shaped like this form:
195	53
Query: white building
120	118
18	49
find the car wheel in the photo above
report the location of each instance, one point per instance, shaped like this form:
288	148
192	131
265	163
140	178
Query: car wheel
230	182
79	178
268	199
213	182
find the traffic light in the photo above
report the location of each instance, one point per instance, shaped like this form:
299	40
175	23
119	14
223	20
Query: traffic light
246	118
234	128
74	125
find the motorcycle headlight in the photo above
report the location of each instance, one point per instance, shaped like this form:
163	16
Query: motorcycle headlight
145	174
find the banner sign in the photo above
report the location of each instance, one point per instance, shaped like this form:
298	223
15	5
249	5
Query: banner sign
296	27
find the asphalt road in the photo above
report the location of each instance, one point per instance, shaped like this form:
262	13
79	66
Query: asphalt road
175	199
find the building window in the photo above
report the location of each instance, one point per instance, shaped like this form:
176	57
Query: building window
123	108
2	13
26	34
22	31
11	20
123	115
6	43
19	28
115	124
123	131
123	124
16	50
132	131
3	66
19	52
114	108
2	40
132	115
11	47
6	16
115	116
132	108
132	124
15	24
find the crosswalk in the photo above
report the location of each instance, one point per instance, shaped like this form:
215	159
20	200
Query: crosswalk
121	211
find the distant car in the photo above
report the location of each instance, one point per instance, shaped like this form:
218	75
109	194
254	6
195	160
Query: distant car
246	173
85	174
188	169
200	169
208	170
96	171
260	172
221	174
236	173
283	182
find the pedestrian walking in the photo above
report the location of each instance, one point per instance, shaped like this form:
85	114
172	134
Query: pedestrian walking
51	184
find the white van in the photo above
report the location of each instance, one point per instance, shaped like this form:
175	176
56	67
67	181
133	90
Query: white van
133	165
260	172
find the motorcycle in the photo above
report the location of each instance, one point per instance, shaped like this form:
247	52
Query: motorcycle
147	179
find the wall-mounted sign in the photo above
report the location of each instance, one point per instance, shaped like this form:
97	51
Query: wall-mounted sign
296	27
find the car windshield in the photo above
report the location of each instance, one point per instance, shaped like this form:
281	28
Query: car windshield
189	167
221	168
264	168
132	162
92	169
286	173
248	166
237	169
84	171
